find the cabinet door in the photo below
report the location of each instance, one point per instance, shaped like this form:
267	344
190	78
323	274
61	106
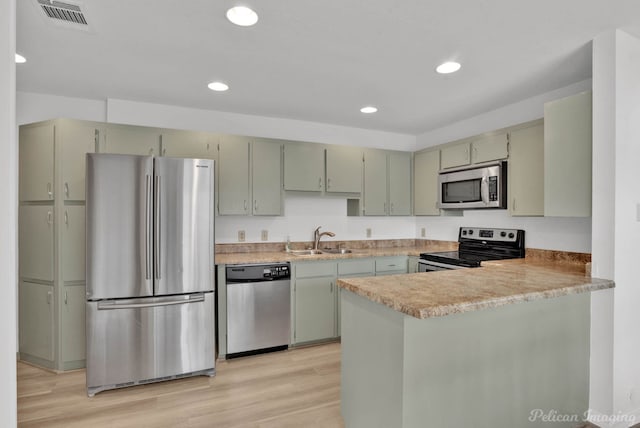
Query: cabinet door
456	155
412	264
344	169
132	140
526	171
567	156
266	181
72	257
36	162
400	183
189	144
315	315
233	176
375	183
391	265
36	320
303	167
36	242
72	326
76	139
489	148
425	182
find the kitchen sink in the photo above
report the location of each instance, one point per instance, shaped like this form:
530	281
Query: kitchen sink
305	252
336	250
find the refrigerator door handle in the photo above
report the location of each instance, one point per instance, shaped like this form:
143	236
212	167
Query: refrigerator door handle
145	303
147	239
156	226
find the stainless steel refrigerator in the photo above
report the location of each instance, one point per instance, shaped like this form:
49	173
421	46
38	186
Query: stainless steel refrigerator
150	270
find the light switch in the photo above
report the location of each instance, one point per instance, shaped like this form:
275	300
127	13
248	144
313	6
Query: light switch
241	236
368	232
265	235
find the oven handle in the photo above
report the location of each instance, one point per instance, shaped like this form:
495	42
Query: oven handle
440	265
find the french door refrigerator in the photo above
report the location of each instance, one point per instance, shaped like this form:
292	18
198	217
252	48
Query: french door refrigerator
150	270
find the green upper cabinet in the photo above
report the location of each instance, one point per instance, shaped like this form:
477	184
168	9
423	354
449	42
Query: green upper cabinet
189	144
567	156
344	169
400	183
304	167
36	162
132	140
375	183
489	148
387	183
526	171
266	177
77	139
426	165
249	176
455	155
233	176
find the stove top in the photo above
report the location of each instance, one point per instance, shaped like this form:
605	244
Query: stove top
476	245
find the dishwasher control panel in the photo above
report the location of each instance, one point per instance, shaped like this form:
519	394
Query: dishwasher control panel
258	272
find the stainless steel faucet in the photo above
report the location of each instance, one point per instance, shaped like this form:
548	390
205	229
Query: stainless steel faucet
317	235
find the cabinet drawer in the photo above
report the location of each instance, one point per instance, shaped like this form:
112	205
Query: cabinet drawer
315	269
387	264
356	267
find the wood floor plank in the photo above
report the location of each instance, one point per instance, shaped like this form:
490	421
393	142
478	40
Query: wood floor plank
294	388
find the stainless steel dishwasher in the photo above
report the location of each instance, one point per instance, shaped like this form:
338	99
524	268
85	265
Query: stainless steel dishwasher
258	308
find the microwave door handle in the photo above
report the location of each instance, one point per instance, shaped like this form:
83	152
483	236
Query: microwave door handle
484	191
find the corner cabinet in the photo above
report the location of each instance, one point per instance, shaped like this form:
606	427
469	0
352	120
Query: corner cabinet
387	183
567	156
526	171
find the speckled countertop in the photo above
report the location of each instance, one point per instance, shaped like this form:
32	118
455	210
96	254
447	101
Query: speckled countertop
496	283
249	254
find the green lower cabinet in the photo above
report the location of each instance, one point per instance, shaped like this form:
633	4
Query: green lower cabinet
36	323
413	264
73	323
352	269
391	265
315	309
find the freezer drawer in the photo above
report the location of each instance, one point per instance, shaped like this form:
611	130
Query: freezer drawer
135	341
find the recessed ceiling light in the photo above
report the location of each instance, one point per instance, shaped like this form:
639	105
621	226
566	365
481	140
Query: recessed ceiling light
20	59
218	86
368	109
243	16
448	67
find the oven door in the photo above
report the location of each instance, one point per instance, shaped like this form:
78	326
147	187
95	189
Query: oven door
430	266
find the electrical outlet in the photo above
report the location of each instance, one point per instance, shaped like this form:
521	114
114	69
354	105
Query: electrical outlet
265	235
241	236
423	232
368	232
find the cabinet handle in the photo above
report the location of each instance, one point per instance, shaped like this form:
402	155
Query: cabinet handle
151	151
49	296
255	205
208	146
66	189
391	211
164	152
475	153
49	217
328	183
332	286
65	297
49	191
245	204
514	204
66	218
320	183
385	207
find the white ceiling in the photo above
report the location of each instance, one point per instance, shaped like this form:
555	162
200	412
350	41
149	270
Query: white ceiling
320	60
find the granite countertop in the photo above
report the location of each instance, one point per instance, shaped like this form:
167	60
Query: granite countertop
250	255
496	283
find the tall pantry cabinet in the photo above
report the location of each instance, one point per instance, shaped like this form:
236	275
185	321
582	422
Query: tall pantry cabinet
52	240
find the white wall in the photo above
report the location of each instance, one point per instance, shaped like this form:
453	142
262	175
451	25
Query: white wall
36	107
8	214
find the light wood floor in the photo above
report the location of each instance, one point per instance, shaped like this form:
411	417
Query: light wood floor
296	388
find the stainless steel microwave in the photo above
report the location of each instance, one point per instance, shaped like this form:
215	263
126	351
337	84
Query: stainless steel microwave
477	186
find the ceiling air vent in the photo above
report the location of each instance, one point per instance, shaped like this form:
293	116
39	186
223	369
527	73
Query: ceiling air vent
63	11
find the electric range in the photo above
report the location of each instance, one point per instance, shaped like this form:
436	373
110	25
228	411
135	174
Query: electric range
476	245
